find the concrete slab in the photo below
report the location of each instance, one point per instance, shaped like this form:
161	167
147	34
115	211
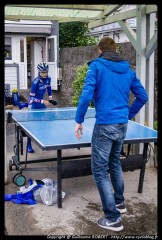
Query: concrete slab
81	205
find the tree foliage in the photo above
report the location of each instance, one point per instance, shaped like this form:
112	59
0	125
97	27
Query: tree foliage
73	34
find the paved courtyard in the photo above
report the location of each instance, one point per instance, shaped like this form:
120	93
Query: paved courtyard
81	206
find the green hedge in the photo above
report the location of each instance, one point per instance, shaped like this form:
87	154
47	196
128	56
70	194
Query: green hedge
78	84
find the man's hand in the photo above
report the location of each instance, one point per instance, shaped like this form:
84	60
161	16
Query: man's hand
78	130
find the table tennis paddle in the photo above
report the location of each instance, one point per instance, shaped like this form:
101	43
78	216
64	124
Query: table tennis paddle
52	102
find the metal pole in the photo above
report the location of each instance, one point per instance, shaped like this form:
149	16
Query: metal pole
59	179
142	172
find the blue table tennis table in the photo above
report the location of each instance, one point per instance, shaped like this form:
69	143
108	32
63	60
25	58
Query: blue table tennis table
53	129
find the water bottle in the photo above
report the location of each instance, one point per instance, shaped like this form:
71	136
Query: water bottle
29	106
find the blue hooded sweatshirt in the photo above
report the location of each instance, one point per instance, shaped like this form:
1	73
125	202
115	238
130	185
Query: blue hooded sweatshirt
108	83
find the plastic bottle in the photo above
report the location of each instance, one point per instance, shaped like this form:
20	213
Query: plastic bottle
48	192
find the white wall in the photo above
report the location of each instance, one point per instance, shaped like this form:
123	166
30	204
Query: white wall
109	30
10	77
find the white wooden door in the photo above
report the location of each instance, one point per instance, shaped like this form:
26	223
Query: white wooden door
51	59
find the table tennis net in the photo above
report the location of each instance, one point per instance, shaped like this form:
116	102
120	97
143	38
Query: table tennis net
48	115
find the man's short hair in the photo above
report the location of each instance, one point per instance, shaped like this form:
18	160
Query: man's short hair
107	43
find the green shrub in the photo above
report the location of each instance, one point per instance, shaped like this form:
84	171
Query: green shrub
156	125
78	84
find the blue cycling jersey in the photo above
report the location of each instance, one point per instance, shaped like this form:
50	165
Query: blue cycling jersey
38	89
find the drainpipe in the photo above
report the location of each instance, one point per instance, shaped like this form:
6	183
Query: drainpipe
55	31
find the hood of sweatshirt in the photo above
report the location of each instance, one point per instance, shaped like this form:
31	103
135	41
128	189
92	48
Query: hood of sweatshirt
113	61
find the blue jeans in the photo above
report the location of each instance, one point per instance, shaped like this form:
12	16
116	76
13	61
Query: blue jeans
107	141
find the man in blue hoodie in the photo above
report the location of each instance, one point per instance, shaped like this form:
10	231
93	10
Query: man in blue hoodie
108	83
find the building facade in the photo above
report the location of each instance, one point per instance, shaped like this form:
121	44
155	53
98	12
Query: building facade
26	44
114	30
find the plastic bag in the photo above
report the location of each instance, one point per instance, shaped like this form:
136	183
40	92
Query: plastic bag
48	193
37	196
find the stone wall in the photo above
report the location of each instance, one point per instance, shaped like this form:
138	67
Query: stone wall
70	58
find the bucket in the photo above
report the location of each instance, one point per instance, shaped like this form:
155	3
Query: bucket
15	98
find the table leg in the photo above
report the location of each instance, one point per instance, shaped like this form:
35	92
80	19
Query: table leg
142	172
21	142
59	179
17	144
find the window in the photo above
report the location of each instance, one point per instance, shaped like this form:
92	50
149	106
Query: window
51	50
8	48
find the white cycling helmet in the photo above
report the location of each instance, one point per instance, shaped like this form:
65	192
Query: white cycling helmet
42	67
